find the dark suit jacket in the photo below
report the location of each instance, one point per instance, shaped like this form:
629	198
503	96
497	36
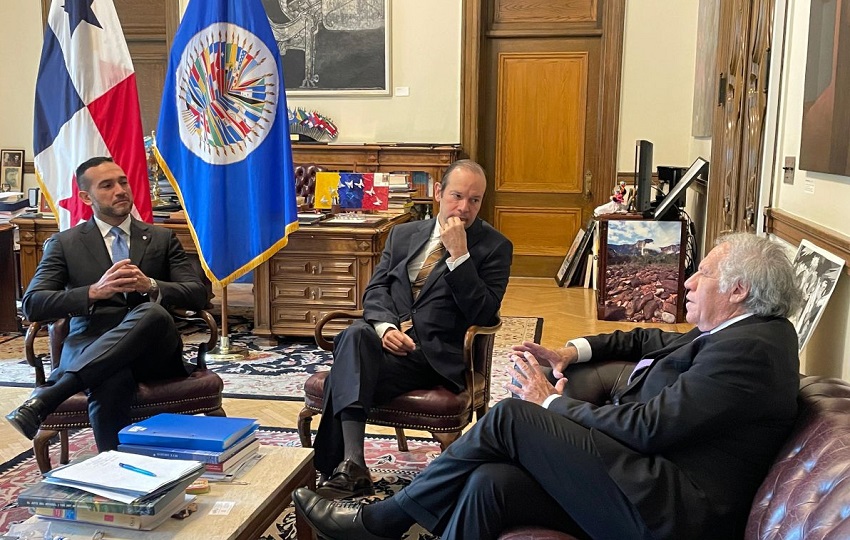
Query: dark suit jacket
76	258
449	302
691	438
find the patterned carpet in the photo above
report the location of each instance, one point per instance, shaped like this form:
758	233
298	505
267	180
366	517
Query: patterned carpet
275	371
391	471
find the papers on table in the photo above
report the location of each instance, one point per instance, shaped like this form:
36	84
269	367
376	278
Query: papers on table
118	476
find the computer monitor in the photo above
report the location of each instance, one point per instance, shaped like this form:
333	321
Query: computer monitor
669	203
643	175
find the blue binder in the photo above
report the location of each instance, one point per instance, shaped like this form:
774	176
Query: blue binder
214	433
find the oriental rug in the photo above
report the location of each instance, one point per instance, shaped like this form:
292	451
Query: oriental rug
273	369
391	470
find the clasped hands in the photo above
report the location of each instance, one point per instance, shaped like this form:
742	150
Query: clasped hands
121	277
533	384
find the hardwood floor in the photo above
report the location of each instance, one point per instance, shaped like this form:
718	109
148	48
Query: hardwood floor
567	313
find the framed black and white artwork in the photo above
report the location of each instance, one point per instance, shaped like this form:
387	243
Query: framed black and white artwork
817	271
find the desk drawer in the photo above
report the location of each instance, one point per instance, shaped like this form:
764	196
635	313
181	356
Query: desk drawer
300	267
303	320
343	295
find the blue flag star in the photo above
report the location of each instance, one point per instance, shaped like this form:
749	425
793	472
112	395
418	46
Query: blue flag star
79	11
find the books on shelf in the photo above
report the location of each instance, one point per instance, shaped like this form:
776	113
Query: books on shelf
113	519
52	496
215	433
207	457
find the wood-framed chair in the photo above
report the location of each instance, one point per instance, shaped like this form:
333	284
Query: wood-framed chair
437	410
198	393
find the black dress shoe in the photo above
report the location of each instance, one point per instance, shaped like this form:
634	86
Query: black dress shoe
332	520
348	480
28	417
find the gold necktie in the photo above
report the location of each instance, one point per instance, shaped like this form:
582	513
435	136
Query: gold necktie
431	261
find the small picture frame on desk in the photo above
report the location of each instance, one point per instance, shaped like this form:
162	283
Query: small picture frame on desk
11	170
44	206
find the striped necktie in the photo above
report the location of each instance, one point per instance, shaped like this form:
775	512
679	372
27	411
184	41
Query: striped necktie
431	261
120	249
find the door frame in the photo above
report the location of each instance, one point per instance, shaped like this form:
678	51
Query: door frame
475	14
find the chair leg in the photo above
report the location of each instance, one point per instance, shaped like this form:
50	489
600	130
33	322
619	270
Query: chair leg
402	439
64	453
445	439
481	411
305	418
41	448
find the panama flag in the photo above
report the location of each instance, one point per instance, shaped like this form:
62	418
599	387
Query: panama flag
86	105
223	136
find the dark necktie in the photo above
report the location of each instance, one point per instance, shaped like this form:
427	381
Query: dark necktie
120	249
431	261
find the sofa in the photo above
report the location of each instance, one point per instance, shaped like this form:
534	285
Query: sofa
806	494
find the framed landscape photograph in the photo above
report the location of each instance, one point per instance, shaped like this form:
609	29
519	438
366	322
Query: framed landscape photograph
11	170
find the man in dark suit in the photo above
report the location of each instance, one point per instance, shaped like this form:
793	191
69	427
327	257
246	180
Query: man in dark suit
113	276
679	453
435	279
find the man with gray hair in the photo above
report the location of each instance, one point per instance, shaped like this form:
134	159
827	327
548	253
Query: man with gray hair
679	452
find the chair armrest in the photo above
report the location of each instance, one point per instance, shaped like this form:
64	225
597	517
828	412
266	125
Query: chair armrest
32	360
597	382
469	356
207	318
323	342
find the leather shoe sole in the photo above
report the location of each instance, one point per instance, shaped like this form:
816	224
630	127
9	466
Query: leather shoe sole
332	520
26	419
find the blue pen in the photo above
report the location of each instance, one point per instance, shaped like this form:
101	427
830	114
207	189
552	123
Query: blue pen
135	469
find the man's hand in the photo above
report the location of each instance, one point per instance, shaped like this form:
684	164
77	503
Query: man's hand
397	342
453	237
559	360
122	277
533	384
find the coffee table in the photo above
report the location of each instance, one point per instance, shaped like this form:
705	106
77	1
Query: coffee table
266	492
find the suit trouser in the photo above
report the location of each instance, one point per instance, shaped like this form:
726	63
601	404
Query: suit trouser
144	346
472	490
364	375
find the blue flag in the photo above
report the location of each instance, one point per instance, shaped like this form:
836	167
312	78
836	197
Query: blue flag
223	136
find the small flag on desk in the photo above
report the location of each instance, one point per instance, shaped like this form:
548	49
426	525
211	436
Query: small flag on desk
223	136
86	105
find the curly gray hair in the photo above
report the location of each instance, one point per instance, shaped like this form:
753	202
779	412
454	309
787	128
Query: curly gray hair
764	266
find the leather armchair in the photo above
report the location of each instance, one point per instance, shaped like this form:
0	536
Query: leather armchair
806	491
198	393
437	410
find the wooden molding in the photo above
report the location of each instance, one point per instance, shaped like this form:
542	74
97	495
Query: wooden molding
614	20
469	82
793	229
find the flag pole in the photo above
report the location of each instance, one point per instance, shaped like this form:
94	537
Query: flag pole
224	350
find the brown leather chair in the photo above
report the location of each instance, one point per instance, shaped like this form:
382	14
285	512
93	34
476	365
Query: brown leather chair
305	183
438	410
198	393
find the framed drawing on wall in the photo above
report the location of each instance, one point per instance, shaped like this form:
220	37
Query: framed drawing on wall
332	47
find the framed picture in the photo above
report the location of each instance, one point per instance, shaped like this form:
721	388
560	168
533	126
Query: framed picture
333	47
11	170
575	255
641	271
43	205
817	271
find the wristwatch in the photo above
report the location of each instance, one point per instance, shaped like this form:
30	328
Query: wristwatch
154	287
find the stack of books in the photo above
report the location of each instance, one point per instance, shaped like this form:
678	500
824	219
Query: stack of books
224	445
400	200
116	489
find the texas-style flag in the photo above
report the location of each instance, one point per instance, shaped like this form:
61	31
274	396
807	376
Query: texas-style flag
223	136
86	105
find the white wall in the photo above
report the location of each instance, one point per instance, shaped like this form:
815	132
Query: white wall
658	81
828	351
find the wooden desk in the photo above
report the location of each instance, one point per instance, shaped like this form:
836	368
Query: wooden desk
322	269
268	492
34	232
8	280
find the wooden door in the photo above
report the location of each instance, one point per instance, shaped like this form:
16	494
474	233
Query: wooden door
738	134
545	129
